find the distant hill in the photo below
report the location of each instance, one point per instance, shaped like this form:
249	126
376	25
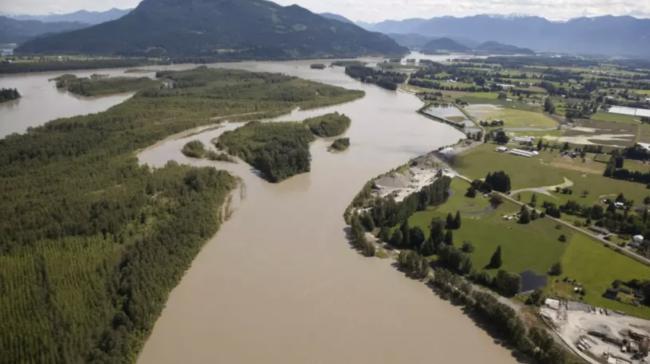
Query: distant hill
338	17
501	49
444	45
411	41
19	31
82	16
605	35
228	29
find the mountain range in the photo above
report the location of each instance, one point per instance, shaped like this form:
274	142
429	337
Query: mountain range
605	35
448	45
18	31
81	16
229	29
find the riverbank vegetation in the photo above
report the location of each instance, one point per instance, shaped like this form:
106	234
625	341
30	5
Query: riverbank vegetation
91	243
53	63
329	125
9	94
432	251
98	85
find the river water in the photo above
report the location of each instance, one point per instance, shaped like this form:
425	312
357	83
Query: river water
280	284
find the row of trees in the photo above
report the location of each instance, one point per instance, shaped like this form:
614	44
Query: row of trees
388	212
384	79
532	341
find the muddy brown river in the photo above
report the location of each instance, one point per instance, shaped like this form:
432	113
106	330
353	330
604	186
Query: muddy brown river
280	283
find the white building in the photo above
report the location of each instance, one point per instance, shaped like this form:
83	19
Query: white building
645	146
523	139
523	153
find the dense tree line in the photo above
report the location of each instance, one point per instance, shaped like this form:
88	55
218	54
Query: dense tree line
497	181
98	86
534	342
387	212
615	167
91	242
8	94
384	79
38	65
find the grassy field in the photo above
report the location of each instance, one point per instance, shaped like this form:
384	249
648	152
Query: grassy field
525	247
514	118
536	247
596	267
548	169
616	118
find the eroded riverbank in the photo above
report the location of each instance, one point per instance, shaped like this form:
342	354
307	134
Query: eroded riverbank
280	283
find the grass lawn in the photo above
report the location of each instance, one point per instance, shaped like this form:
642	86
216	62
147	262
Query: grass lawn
536	247
616	118
596	267
547	170
514	118
524	247
644	133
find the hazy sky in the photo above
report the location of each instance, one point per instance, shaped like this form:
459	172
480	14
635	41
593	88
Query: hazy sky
376	10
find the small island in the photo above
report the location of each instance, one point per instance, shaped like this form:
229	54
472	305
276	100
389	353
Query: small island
328	125
100	85
194	149
8	94
340	145
317	66
278	150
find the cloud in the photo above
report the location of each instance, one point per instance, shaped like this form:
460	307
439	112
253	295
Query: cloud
377	10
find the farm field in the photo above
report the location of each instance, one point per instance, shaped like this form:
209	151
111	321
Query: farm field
513	118
549	169
616	118
524	247
596	267
536	247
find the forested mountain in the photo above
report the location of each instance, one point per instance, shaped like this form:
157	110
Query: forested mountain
18	31
605	35
227	29
500	48
412	41
336	17
81	16
444	44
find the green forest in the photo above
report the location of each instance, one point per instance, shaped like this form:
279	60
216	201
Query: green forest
8	94
277	150
91	243
97	85
329	125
